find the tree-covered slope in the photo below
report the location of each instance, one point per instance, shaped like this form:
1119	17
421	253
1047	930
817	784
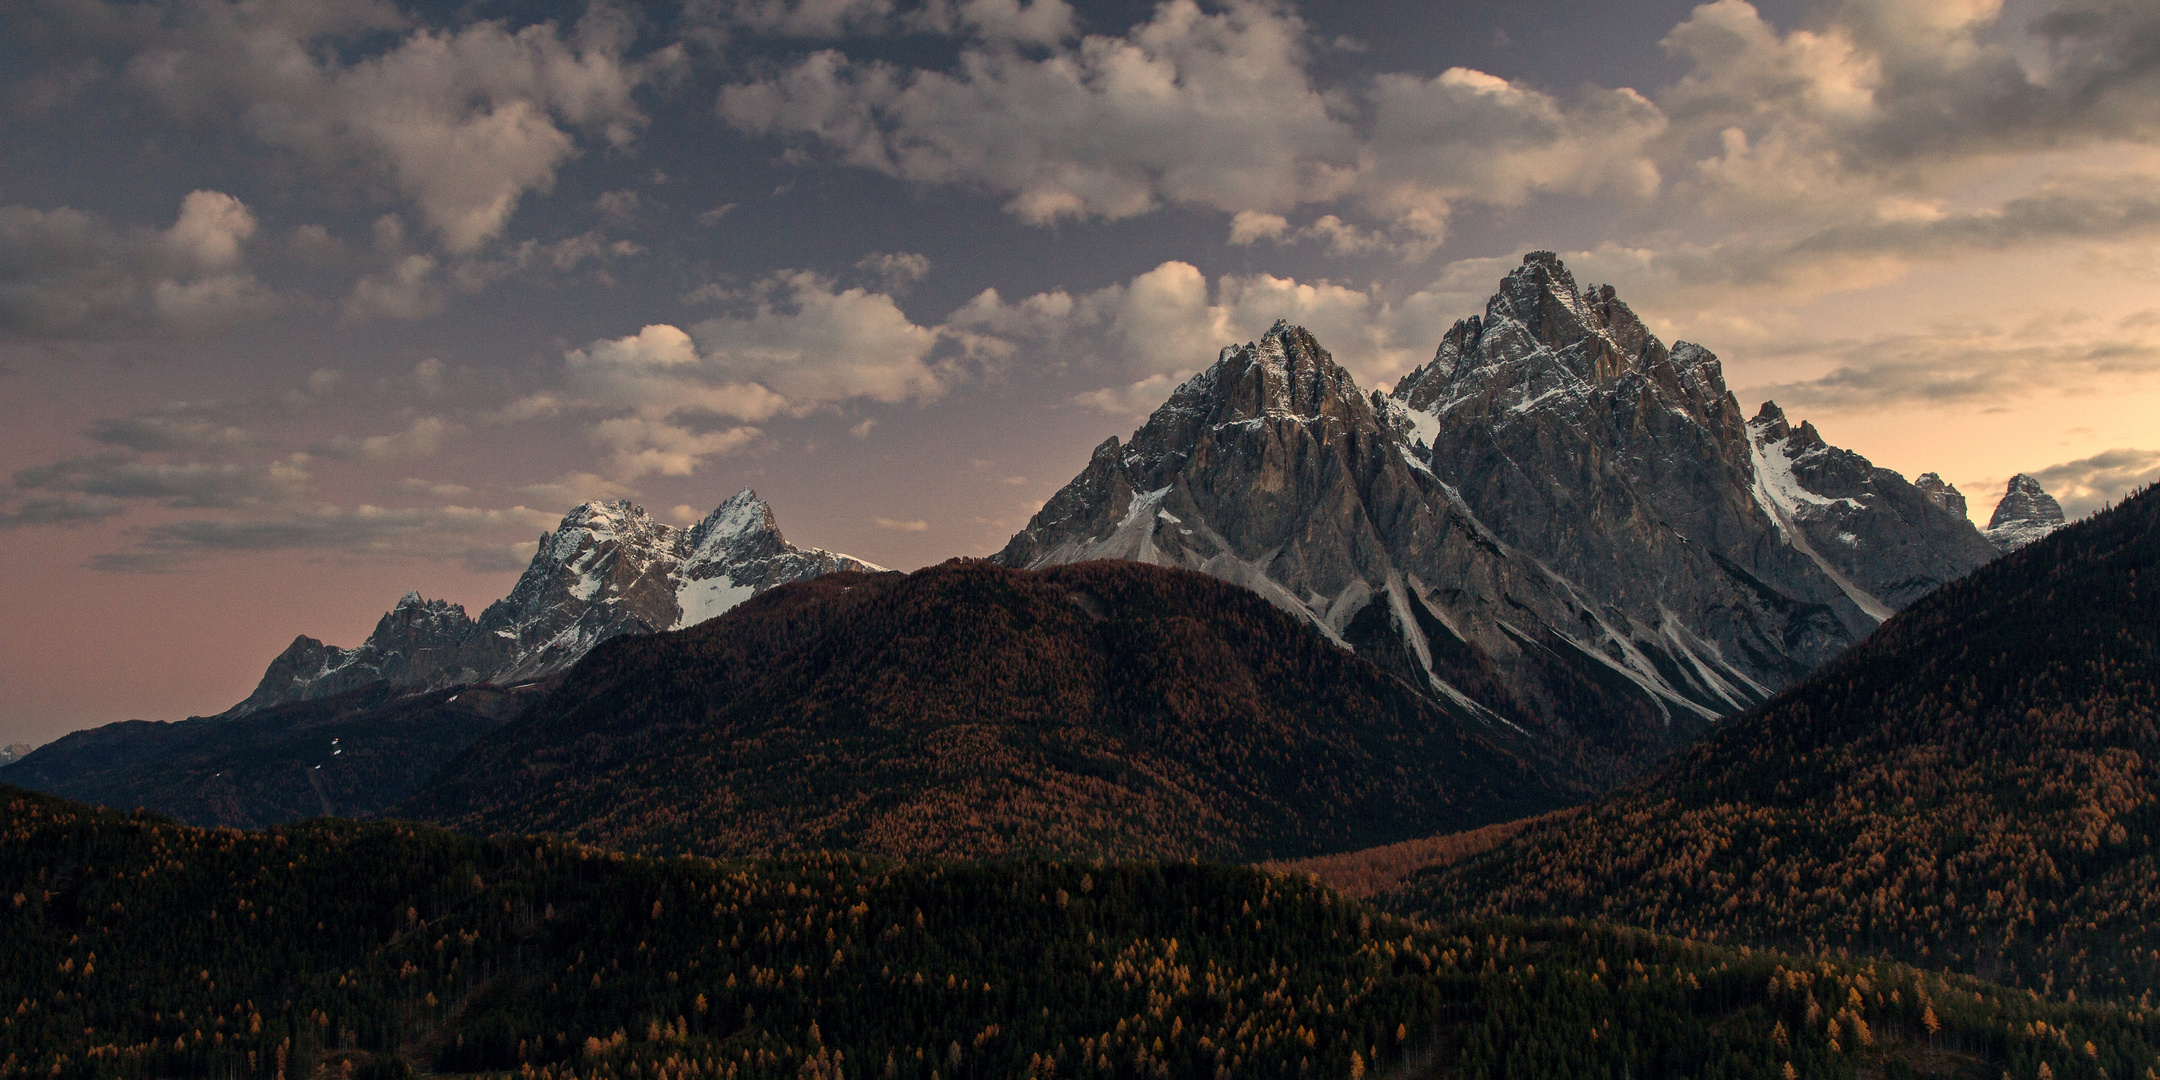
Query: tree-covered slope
138	948
972	710
1974	786
355	754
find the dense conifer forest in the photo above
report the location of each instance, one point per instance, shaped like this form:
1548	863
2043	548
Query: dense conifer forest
969	710
140	948
1972	787
355	754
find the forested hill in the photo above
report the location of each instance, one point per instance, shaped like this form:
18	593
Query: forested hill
137	948
971	710
355	753
1974	786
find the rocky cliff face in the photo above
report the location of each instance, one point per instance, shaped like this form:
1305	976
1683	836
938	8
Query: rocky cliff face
1945	495
1885	542
609	569
2025	514
1558	523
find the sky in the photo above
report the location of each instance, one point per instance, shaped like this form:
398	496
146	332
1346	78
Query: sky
306	303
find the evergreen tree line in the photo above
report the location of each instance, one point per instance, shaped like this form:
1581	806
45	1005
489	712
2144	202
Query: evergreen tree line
136	947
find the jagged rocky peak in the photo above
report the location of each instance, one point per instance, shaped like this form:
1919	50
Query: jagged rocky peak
1285	373
1771	425
2025	514
744	525
595	524
1541	337
1556	488
1945	495
606	570
1770	422
1884	542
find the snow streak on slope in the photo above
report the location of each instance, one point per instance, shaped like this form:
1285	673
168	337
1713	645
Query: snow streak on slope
1782	498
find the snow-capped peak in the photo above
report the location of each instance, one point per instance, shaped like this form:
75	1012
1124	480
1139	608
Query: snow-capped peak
607	569
2025	514
743	513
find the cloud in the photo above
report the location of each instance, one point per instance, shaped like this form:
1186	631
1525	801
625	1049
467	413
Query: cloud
1882	132
1966	364
795	18
462	122
1197	108
407	290
1212	109
2084	485
665	399
619	207
186	426
575	488
1167	323
436	532
894	272
1134	399
422	438
1038	22
1249	226
67	273
413	485
428	378
48	510
813	344
900	526
1466	135
193	485
644	447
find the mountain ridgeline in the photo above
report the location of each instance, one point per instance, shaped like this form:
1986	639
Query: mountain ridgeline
1973	786
609	569
354	754
969	710
1558	524
353	731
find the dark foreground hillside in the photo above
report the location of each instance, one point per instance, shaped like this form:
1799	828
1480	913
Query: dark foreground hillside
971	710
138	948
1975	786
355	754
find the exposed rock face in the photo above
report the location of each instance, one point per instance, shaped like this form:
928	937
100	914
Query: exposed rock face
1558	522
1885	542
609	569
2025	514
1942	494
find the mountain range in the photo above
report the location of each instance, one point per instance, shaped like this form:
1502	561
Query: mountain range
1558	524
609	569
1560	533
355	730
